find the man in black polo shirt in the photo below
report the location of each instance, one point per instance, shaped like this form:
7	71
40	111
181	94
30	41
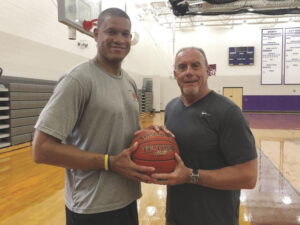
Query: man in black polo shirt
217	149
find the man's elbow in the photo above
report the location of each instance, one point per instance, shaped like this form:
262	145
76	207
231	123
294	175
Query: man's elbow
40	153
251	182
40	147
37	155
250	174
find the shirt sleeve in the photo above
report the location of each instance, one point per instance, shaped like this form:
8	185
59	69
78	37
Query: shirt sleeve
236	139
64	108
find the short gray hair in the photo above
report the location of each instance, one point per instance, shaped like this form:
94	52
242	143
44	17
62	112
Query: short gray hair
193	48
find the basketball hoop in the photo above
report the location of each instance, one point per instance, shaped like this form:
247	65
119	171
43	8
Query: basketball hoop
87	25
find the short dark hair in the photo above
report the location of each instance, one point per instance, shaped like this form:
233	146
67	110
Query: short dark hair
112	12
193	48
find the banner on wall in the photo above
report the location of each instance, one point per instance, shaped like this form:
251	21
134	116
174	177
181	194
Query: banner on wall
292	56
271	56
212	69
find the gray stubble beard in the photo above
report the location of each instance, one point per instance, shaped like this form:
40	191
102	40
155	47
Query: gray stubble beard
191	91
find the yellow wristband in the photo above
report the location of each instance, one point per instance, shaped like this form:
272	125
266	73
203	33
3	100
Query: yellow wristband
106	162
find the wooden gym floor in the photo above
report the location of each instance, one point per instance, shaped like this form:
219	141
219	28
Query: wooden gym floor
32	194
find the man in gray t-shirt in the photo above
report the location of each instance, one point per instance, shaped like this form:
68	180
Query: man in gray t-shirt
87	127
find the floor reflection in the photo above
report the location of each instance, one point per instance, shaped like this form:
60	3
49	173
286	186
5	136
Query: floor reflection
274	200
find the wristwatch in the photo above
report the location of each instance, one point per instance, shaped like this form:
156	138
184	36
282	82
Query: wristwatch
195	176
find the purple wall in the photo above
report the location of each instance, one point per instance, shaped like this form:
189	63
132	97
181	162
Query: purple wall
281	103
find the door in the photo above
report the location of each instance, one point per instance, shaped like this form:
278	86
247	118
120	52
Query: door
235	94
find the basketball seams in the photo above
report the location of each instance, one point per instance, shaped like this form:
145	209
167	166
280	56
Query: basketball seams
151	157
160	160
143	142
139	137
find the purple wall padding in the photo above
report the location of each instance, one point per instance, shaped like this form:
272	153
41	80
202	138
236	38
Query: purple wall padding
281	103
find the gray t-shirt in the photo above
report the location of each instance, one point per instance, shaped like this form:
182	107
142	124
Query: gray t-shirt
96	112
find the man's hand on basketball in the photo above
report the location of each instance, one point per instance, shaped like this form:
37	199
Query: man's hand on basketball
156	128
179	176
122	164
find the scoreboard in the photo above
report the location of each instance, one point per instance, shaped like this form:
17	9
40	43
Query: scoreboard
241	56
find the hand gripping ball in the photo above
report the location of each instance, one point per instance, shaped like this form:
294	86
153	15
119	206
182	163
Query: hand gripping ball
156	149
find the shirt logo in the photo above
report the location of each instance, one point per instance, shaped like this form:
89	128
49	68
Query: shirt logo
203	113
133	95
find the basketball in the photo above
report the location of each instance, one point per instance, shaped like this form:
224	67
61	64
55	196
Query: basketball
155	149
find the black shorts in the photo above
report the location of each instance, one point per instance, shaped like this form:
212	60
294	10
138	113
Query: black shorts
125	216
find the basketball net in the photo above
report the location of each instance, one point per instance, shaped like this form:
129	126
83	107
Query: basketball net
88	24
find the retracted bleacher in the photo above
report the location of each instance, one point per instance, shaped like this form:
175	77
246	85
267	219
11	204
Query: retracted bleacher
21	101
145	96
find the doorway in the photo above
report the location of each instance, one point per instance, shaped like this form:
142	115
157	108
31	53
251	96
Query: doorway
235	94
